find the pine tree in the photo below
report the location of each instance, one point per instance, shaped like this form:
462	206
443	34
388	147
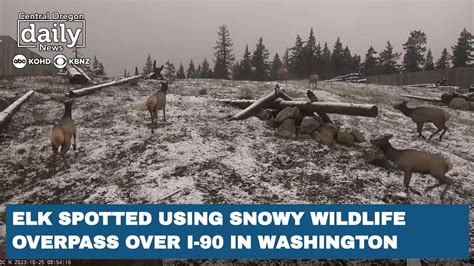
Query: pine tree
347	63
136	71
286	58
180	74
429	65
191	72
245	66
462	50
198	71
443	61
125	73
260	61
170	70
276	66
223	54
148	68
414	48
370	67
356	63
337	58
310	54
205	69
388	60
100	70
297	58
326	65
235	70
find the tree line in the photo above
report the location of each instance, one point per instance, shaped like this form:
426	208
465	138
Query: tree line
309	56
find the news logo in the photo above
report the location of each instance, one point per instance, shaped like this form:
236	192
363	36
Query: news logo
51	32
60	61
19	61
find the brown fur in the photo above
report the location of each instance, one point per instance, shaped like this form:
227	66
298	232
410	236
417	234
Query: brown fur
313	79
414	161
63	132
157	102
422	115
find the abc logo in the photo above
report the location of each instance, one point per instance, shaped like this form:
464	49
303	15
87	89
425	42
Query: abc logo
19	61
60	61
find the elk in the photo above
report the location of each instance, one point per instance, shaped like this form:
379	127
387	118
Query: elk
313	79
414	161
63	131
422	115
155	102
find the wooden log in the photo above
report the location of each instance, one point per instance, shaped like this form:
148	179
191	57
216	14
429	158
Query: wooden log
263	102
7	114
422	98
312	97
84	91
77	75
368	110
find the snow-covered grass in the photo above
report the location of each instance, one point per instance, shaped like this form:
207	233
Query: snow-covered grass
211	159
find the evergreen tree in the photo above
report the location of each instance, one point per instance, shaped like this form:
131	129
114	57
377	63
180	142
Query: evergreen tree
337	58
297	58
125	73
205	69
429	65
326	65
236	70
443	61
191	72
388	60
148	68
356	63
286	58
180	74
414	48
309	60
347	63
276	65
462	50
101	70
198	72
136	71
260	61
223	54
170	70
245	66
370	66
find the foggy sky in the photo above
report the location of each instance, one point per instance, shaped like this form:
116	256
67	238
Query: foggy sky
121	33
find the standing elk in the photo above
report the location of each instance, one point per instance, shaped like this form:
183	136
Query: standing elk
156	102
313	79
63	132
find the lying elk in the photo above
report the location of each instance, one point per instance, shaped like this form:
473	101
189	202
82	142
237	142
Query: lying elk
63	131
422	115
313	79
414	161
155	102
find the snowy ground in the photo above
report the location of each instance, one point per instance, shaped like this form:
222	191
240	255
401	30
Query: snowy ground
211	159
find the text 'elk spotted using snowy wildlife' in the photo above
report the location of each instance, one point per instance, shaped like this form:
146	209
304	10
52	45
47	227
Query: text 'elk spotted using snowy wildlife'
63	131
156	102
313	79
413	161
421	115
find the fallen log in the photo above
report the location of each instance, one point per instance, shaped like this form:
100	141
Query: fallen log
263	102
7	114
312	97
84	91
422	98
331	107
77	75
